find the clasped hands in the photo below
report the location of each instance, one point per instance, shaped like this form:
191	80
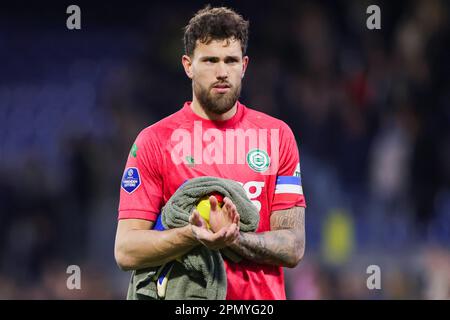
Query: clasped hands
224	223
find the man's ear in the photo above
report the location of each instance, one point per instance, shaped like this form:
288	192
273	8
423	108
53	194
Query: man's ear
187	65
245	61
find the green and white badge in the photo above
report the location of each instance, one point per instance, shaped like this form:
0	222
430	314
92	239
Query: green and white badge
258	160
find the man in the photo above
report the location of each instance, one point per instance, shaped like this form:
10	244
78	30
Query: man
216	135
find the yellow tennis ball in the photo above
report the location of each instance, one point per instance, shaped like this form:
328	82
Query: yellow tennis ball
204	208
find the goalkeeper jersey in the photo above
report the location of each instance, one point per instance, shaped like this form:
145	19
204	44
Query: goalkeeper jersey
252	148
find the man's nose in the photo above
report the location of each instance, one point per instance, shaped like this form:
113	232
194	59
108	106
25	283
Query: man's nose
221	71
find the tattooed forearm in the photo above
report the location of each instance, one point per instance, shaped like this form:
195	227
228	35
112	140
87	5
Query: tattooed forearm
288	219
273	247
284	245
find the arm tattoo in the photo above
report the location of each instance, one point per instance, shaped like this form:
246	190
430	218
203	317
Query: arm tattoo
283	245
287	219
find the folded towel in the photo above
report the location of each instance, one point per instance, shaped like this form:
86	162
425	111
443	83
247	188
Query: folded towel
200	274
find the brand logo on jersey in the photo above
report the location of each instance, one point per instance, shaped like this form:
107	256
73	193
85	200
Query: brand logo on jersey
297	171
253	189
190	161
131	179
133	151
258	160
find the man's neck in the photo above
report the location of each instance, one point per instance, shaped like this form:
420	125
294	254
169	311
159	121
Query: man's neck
201	112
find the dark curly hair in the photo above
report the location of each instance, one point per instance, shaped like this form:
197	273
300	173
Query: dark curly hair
215	24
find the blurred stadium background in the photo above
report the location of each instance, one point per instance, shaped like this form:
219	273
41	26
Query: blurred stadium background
370	110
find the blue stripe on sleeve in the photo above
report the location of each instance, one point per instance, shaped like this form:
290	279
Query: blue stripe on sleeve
289	180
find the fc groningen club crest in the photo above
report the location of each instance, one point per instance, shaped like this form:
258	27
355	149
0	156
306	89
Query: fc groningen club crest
258	160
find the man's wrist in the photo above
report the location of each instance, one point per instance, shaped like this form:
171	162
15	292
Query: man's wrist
189	235
236	243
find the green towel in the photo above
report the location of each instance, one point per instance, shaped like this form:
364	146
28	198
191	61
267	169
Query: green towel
200	274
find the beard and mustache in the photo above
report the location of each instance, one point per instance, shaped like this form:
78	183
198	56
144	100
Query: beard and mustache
218	103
